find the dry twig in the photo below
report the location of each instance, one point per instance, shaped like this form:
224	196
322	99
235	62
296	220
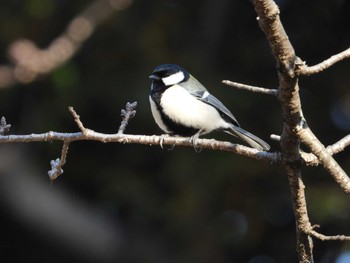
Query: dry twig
126	115
56	165
303	69
255	89
4	127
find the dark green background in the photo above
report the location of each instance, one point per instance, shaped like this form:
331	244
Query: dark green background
136	203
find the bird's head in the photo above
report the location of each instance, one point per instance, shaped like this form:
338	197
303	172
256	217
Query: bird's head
169	74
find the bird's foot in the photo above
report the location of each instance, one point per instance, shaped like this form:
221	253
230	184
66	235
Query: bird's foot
193	141
162	137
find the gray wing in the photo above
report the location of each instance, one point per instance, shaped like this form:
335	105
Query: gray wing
199	91
213	101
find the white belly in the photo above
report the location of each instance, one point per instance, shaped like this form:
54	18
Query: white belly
187	110
157	117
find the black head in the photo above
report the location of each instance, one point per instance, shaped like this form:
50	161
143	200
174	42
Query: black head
169	74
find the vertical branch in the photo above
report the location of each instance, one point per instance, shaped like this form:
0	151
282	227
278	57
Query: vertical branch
304	241
126	114
56	165
288	95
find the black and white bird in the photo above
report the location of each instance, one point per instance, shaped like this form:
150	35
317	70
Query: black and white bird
181	105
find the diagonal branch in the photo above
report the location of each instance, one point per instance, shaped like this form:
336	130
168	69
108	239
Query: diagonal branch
328	162
339	146
29	61
255	89
78	121
311	159
270	23
305	70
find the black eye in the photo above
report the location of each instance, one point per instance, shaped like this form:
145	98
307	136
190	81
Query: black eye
166	74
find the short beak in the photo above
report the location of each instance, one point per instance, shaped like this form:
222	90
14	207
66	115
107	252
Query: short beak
155	77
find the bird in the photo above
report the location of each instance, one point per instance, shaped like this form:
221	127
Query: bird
182	106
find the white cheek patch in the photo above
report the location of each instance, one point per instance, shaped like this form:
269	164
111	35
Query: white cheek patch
174	79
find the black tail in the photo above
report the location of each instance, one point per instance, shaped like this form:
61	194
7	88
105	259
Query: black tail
249	138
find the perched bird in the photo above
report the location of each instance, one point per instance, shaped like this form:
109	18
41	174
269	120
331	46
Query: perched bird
181	105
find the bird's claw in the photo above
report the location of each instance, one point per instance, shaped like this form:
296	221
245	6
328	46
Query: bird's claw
193	141
162	137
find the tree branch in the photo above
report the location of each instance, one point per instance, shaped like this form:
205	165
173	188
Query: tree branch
126	115
270	23
56	165
272	157
255	89
339	146
303	69
311	159
4	127
328	162
283	51
77	120
30	62
322	237
304	242
120	137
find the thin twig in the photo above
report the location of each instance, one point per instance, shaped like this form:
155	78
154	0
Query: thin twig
339	146
306	70
322	237
56	165
77	120
4	127
126	114
255	89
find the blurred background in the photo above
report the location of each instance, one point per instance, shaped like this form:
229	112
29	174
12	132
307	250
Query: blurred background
136	203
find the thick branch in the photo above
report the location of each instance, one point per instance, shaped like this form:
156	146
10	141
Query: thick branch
305	70
311	159
304	242
270	23
283	51
317	148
